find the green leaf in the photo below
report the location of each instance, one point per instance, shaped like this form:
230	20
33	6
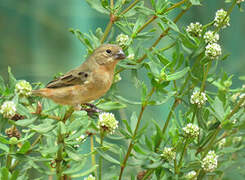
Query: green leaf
128	101
73	155
108	157
111	105
127	126
42	128
97	5
25	122
23	110
25	147
3	140
2	85
178	74
92	169
4	173
15	175
195	2
12	80
75	167
4	147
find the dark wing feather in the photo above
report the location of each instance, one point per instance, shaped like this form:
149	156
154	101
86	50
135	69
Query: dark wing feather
71	78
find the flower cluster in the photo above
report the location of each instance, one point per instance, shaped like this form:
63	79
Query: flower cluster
213	51
23	88
195	29
90	177
211	37
191	175
221	20
122	40
210	162
198	98
191	130
168	154
8	109
107	122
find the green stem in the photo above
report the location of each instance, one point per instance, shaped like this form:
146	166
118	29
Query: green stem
182	155
93	155
9	158
132	141
175	104
194	114
100	158
59	159
129	7
205	76
107	30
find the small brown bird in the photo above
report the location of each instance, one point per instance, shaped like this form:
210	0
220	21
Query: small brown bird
88	82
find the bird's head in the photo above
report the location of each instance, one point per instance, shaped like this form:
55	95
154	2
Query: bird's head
108	54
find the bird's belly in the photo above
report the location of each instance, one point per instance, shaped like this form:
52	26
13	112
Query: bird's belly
79	94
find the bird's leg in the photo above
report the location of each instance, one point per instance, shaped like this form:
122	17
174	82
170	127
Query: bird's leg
93	109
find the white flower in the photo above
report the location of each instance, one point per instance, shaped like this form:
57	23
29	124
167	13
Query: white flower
131	56
195	29
191	130
8	109
211	37
210	162
219	19
222	143
213	51
107	122
90	177
23	88
198	98
191	175
234	121
168	154
122	39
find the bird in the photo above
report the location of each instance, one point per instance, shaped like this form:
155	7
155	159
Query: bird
88	82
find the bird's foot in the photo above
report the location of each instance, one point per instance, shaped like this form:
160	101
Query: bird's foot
92	110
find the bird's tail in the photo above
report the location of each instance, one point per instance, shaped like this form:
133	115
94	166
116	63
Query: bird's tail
39	92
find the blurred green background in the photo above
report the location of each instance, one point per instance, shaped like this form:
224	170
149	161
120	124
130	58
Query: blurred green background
36	44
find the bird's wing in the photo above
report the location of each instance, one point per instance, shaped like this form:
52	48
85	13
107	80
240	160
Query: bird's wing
74	77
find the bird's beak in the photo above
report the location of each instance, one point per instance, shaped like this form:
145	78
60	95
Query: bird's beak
120	55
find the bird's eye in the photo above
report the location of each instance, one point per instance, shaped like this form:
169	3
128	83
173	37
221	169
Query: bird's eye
108	51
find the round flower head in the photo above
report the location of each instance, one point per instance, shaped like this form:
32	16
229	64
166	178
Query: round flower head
191	130
122	39
213	51
194	29
168	154
90	177
198	98
191	175
8	109
23	88
211	37
107	122
219	19
210	162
